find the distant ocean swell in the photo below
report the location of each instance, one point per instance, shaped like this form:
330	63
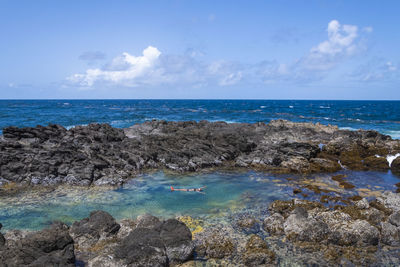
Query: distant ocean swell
383	116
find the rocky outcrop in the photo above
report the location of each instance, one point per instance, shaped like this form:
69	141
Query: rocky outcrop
50	247
98	154
361	224
96	241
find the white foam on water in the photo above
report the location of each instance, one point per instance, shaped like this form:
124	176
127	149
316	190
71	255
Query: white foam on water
390	158
393	134
263	106
291	107
324	107
348	128
72	126
343	167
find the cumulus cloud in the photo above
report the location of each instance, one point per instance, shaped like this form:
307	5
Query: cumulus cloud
124	68
343	42
153	68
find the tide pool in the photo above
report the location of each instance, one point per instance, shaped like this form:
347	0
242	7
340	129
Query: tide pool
226	193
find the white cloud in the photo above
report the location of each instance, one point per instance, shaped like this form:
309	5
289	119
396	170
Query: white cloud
122	69
153	68
343	42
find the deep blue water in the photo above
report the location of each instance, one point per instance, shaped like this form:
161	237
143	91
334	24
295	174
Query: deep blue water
383	116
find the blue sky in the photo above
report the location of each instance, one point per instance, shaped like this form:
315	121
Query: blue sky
200	49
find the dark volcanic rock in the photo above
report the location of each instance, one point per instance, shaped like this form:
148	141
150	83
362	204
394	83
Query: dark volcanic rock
169	243
99	154
89	230
395	166
177	239
142	247
49	247
2	239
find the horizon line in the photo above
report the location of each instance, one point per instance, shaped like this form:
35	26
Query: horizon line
192	99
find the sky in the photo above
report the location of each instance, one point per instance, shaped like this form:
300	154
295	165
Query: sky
200	49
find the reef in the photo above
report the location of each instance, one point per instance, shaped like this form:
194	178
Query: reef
98	154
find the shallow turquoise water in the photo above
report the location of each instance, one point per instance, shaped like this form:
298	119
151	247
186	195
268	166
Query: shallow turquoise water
226	193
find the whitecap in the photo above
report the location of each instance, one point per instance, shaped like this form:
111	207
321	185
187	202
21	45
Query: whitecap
390	158
324	107
291	107
348	128
263	106
73	126
393	134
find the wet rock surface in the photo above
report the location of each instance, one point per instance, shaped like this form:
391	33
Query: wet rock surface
98	154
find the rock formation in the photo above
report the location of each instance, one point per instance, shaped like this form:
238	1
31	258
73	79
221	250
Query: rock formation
98	154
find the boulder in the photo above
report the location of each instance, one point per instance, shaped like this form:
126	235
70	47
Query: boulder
390	234
257	252
358	232
142	247
298	226
177	240
395	218
148	221
274	224
88	231
49	247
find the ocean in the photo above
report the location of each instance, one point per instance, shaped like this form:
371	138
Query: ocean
383	116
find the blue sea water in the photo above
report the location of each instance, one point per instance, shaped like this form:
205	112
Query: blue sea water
383	116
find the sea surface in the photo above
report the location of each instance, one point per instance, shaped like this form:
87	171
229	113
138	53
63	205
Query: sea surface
383	116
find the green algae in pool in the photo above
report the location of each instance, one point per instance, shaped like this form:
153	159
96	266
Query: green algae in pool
226	193
148	193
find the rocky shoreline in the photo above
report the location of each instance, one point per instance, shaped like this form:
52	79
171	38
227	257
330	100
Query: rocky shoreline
98	154
301	232
336	230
